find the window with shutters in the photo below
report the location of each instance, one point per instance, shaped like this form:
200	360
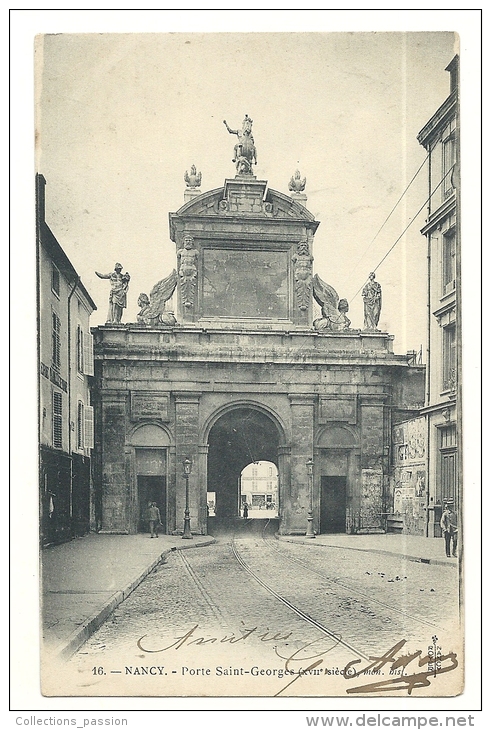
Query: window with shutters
56	341
448	256
55	280
449	358
449	158
80	349
89	427
57	420
88	354
80	425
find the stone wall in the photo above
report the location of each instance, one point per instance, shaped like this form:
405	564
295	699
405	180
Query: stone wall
408	486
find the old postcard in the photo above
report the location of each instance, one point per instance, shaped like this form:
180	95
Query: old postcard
250	364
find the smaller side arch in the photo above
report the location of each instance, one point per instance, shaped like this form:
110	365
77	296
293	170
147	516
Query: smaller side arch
337	436
149	435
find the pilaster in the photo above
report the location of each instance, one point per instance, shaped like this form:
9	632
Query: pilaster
187	434
302	419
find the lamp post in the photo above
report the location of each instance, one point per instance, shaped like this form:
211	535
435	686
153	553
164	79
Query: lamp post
310	517
187	523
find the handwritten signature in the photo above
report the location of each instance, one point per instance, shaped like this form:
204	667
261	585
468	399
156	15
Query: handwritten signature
191	637
400	666
396	663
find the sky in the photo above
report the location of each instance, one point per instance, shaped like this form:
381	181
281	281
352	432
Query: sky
121	117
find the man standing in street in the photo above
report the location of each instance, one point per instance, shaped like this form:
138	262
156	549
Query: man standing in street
154	519
448	523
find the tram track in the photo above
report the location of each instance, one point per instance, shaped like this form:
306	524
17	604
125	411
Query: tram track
214	608
296	610
272	546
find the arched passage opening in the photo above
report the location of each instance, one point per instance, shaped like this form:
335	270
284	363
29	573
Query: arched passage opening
240	437
259	490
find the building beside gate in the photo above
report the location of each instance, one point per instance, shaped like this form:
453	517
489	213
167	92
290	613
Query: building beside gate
241	375
440	137
65	365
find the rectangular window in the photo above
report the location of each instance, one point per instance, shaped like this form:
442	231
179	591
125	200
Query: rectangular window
449	358
446	485
80	349
448	164
57	420
89	427
449	261
56	341
88	354
55	280
80	425
448	474
448	437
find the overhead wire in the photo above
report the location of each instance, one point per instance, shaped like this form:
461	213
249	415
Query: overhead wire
389	215
404	231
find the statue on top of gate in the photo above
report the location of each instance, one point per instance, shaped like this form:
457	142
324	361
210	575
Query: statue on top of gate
333	308
244	150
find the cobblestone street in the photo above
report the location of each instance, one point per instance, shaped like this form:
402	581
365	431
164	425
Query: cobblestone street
249	603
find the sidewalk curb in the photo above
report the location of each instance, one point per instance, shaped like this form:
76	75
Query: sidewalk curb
413	558
78	637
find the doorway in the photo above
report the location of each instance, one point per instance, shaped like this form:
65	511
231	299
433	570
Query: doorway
333	504
151	485
150	489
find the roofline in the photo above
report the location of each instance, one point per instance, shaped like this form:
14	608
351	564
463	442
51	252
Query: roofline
439	117
49	242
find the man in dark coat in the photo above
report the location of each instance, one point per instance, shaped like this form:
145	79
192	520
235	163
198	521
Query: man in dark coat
449	526
154	519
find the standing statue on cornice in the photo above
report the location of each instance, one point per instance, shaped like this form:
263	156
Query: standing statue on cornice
117	295
333	308
188	271
372	300
244	150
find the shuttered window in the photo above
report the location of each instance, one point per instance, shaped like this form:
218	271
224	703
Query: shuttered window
449	156
57	420
55	280
80	425
56	341
449	261
80	349
88	354
449	358
89	427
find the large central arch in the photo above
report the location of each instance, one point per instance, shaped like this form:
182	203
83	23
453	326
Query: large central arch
240	436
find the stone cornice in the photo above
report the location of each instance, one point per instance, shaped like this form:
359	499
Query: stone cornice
438	120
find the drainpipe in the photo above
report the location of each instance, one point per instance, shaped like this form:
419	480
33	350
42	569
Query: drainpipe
77	280
428	353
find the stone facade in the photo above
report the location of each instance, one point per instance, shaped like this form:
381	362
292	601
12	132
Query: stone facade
409	492
443	403
66	427
244	377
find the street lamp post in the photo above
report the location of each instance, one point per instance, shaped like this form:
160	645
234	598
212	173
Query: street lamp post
187	522
310	517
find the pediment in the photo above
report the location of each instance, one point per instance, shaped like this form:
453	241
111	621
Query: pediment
219	202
